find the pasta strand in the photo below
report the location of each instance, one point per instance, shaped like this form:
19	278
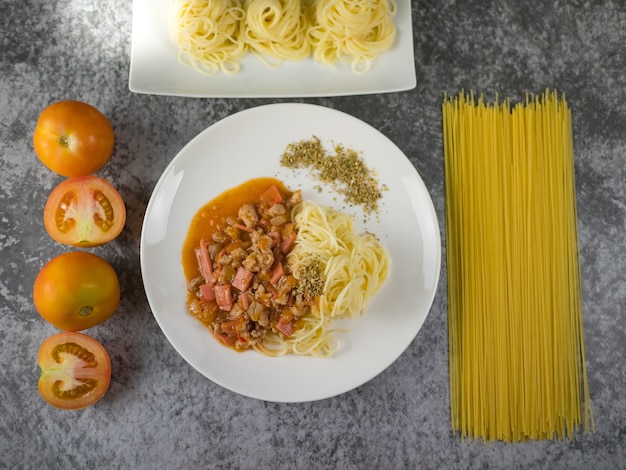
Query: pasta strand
515	324
356	267
213	35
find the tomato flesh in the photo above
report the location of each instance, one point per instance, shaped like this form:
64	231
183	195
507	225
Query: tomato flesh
73	138
75	370
85	211
77	290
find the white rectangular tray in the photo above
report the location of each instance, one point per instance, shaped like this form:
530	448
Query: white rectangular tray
155	69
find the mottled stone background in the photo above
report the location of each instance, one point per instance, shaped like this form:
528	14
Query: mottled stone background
159	412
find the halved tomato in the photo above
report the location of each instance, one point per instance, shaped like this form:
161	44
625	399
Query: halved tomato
76	290
85	211
75	370
73	138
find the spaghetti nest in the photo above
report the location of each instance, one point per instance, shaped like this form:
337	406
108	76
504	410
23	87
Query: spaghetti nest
209	34
212	35
354	268
354	31
276	29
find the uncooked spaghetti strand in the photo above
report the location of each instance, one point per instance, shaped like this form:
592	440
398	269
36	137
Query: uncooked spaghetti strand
513	271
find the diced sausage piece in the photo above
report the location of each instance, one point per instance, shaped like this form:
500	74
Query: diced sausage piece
205	264
223	297
289	236
271	196
277	272
226	338
242	279
275	236
245	300
207	291
285	327
235	327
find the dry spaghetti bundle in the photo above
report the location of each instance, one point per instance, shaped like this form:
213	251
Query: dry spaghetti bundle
516	343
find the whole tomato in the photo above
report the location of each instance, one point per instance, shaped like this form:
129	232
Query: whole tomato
73	138
75	370
76	290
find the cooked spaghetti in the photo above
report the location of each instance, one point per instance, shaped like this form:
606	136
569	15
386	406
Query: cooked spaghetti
275	30
269	272
356	265
516	343
353	31
213	35
208	34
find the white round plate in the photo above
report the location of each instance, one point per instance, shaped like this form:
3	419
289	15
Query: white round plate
249	145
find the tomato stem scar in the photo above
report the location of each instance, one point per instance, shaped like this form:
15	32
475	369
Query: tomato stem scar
85	311
65	141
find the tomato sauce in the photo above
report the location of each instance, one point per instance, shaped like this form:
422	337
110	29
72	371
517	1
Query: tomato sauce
210	219
234	259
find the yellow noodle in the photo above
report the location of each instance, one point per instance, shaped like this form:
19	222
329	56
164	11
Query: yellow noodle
208	34
354	31
315	338
356	267
276	29
213	35
516	343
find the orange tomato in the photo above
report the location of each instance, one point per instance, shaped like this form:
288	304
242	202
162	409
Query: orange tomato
73	138
84	211
76	290
75	370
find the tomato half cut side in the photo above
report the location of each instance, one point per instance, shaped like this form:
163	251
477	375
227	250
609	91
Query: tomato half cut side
75	370
85	211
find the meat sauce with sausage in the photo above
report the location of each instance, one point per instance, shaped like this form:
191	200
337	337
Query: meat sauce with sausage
239	284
